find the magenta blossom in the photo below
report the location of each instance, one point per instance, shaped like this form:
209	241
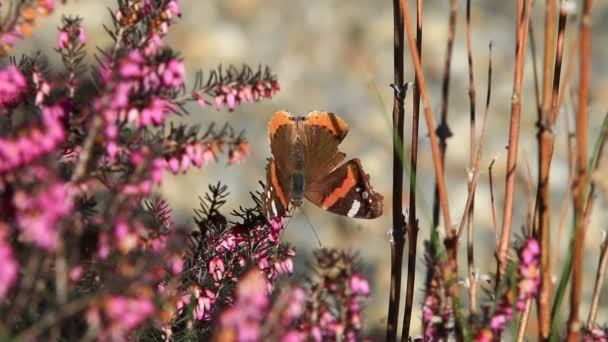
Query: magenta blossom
10	268
12	86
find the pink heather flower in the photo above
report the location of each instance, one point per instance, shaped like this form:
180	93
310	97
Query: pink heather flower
64	40
529	272
200	100
82	36
245	317
10	268
359	285
216	268
173	7
76	273
132	65
12	85
174	74
124	315
219	101
38	214
231	101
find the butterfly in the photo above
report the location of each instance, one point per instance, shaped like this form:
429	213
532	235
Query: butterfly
306	164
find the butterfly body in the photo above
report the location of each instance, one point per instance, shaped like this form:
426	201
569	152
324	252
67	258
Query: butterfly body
306	164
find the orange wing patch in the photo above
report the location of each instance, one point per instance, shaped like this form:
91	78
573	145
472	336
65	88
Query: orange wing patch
275	183
330	121
349	181
280	118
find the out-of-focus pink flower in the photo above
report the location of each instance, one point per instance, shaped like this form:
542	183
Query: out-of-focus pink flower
33	142
82	36
38	214
529	272
63	40
10	268
359	285
122	314
12	86
173	76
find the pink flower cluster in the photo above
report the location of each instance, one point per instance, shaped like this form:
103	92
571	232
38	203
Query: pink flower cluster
333	308
155	176
38	214
529	272
13	85
33	142
70	35
10	268
194	153
596	335
236	93
143	77
118	315
249	318
204	302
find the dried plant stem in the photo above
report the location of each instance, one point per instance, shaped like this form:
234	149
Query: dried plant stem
472	143
579	190
523	321
398	229
412	225
428	114
482	139
443	130
450	273
599	281
493	202
546	141
523	22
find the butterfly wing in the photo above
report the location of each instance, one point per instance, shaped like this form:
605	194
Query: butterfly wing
282	136
276	195
346	191
320	134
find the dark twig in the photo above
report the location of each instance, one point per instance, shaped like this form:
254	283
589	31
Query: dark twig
398	229
412	225
472	144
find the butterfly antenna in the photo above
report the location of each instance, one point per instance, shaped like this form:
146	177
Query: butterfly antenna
313	229
285	228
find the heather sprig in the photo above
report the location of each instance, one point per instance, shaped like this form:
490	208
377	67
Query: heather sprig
80	161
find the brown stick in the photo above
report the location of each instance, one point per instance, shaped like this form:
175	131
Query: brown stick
450	273
579	191
523	22
546	139
523	321
484	129
443	130
412	225
493	202
599	281
398	229
472	143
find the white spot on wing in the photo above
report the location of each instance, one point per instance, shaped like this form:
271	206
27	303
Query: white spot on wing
354	209
274	208
365	194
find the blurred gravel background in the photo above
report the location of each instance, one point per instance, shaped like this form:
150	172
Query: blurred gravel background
337	56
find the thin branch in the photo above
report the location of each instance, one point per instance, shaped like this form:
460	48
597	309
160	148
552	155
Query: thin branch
599	282
493	202
523	321
398	229
580	187
523	22
484	129
412	225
